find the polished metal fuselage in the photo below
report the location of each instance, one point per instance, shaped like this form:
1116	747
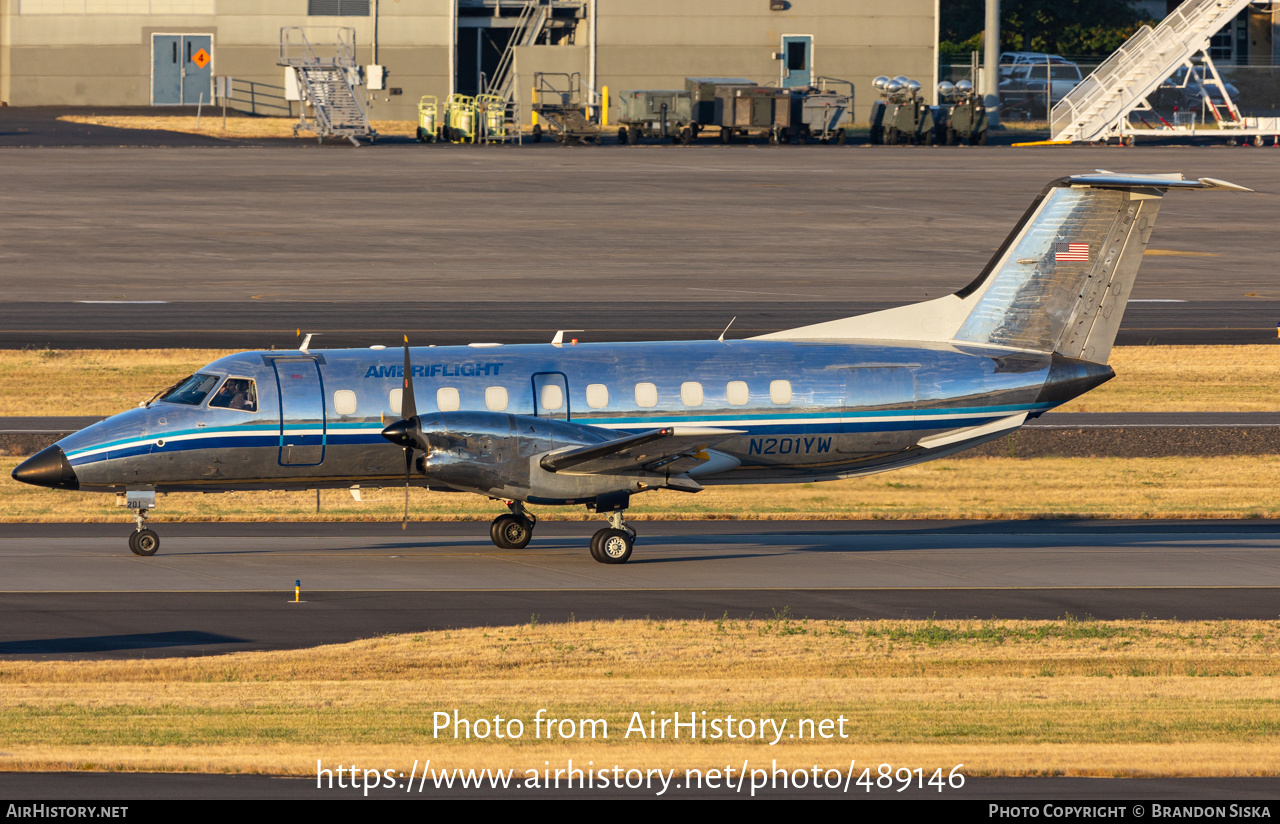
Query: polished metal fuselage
810	411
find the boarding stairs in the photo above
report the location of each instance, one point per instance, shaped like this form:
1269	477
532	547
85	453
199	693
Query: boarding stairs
1098	108
327	76
528	28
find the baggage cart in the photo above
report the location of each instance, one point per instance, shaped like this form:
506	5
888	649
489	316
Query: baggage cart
558	100
702	96
753	111
663	113
825	113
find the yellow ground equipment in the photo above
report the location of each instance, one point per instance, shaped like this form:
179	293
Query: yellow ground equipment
491	110
461	112
428	112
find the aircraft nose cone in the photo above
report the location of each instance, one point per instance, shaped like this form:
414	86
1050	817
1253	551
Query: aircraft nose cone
48	467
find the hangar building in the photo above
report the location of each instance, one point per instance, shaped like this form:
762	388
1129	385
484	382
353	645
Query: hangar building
167	52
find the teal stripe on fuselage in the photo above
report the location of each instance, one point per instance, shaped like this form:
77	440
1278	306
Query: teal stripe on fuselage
372	432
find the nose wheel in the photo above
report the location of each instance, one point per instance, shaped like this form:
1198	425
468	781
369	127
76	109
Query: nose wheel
143	541
613	544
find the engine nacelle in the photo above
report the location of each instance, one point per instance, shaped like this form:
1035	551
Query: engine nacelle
496	454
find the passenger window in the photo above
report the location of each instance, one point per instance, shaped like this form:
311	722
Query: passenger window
495	398
691	393
447	399
236	393
738	393
597	396
646	395
395	399
344	402
780	391
550	397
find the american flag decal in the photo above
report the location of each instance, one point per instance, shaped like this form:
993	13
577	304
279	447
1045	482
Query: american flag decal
1067	252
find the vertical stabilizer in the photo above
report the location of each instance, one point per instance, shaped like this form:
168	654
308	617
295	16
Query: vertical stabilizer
1058	283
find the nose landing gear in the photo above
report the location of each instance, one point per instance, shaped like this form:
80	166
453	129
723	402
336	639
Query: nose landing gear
143	541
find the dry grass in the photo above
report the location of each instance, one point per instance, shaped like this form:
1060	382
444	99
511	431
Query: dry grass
1175	487
1187	379
1149	379
236	127
40	382
1003	697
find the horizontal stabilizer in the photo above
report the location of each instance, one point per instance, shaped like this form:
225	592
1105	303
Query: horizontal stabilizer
653	450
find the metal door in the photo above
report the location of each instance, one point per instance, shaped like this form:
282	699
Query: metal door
551	396
878	413
181	69
797	60
302	412
197	69
166	69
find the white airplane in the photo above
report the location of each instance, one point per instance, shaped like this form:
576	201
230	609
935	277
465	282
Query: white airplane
594	424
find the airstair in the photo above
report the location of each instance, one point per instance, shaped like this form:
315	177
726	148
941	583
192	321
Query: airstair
528	28
1099	107
328	82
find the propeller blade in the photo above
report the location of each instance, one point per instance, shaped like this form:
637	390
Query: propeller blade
408	406
405	430
408	464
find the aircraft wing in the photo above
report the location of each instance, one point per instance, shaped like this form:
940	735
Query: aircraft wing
673	449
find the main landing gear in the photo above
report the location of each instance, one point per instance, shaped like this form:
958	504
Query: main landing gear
515	530
143	541
613	544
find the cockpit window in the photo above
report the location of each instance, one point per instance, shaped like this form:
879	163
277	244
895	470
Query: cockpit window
236	393
190	391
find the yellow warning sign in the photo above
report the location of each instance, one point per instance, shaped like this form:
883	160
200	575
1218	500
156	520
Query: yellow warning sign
201	58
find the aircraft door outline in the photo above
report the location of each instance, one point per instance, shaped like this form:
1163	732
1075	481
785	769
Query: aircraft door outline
300	389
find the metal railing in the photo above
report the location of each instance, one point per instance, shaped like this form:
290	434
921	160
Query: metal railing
317	46
258	98
1135	69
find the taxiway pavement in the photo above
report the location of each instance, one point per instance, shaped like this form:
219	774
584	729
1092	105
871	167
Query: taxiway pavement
75	591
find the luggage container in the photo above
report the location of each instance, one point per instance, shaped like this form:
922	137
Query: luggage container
702	96
655	113
824	113
753	111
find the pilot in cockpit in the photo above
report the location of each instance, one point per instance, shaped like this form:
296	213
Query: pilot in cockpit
236	393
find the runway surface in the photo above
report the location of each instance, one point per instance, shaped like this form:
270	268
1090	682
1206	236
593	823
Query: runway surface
75	591
273	324
423	232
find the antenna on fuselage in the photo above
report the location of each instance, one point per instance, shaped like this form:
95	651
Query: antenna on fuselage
558	340
726	329
305	341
